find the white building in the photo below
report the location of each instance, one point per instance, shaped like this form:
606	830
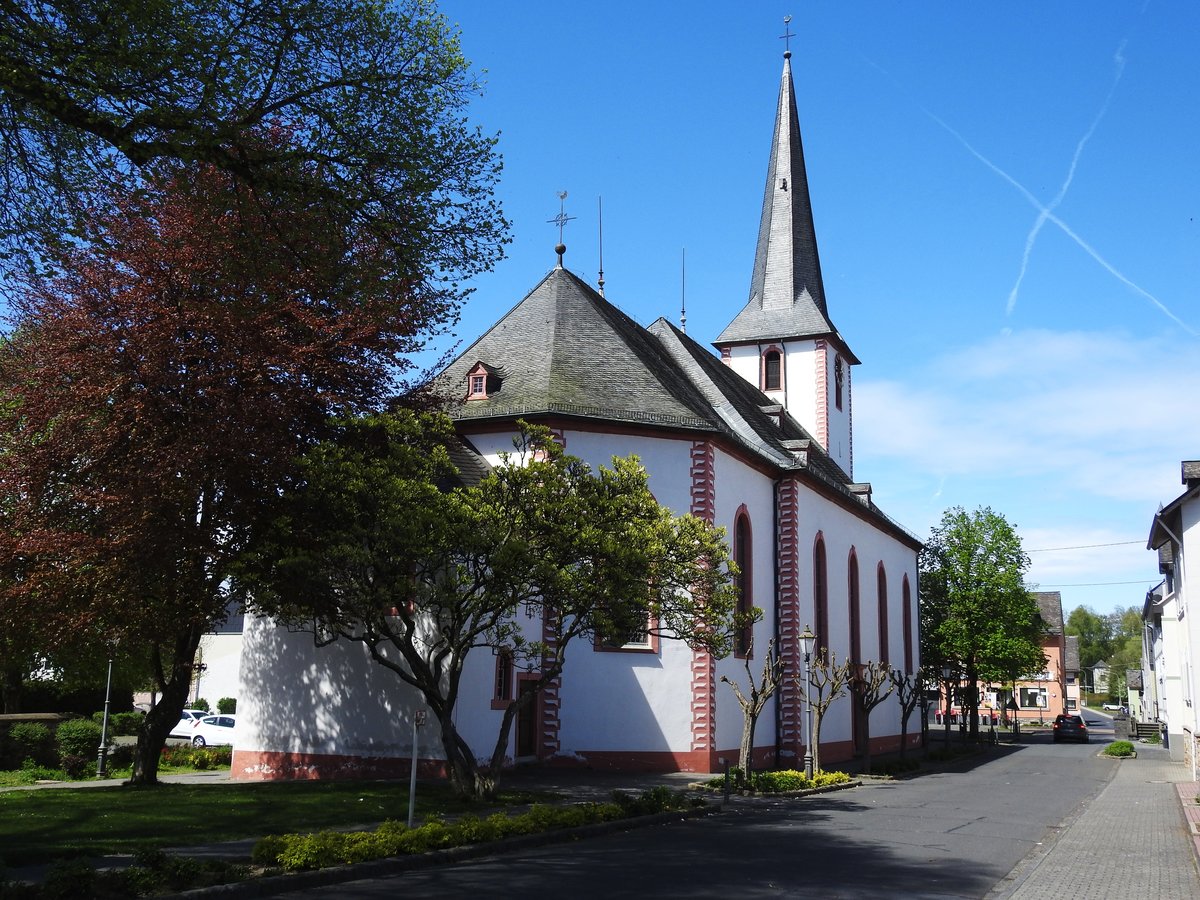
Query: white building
1172	625
757	439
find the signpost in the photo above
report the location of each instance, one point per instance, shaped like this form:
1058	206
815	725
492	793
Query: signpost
418	721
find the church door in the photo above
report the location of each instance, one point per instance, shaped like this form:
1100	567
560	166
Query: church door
527	723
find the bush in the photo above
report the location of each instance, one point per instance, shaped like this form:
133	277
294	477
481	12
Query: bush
202	704
227	706
786	780
331	848
30	740
189	757
78	737
1119	748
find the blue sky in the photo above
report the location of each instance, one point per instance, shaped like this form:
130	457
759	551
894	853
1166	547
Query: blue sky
1006	199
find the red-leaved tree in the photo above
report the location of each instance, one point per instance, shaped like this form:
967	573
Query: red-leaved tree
157	390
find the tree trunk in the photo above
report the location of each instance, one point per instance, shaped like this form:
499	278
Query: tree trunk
865	719
746	752
161	718
815	739
466	778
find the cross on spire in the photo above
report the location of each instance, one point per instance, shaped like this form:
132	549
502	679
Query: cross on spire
787	35
560	220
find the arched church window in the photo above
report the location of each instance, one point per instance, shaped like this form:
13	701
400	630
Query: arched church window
772	370
906	597
820	596
855	618
883	615
744	637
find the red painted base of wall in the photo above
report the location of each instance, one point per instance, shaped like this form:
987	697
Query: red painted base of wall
252	765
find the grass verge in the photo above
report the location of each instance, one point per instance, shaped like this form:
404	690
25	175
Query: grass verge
61	823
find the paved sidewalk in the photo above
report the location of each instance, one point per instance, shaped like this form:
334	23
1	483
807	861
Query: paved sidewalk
1131	841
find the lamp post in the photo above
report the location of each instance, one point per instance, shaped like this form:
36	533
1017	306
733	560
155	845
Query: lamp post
102	755
807	641
947	671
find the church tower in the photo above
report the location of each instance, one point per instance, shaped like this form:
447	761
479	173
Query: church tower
783	341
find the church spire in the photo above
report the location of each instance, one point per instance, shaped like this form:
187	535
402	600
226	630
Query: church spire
787	269
787	295
782	341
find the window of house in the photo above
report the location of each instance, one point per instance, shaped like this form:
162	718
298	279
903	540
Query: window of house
1032	698
772	371
503	686
744	638
482	381
639	638
839	380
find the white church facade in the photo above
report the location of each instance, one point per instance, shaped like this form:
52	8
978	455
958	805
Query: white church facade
756	437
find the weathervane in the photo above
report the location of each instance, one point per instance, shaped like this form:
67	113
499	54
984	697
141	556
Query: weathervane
560	220
787	35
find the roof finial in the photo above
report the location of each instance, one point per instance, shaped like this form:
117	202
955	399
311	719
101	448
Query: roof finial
560	220
786	37
683	291
600	222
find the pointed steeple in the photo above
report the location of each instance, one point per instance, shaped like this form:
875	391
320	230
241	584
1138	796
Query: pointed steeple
782	341
787	296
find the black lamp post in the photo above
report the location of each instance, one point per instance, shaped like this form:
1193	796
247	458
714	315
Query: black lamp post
807	641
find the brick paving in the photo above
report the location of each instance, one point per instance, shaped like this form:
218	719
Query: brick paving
1134	840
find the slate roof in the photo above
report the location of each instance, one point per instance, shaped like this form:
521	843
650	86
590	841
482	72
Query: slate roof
1071	658
1050	606
787	294
566	351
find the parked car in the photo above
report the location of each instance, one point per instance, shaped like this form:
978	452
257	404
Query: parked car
183	728
1070	728
213	730
1111	707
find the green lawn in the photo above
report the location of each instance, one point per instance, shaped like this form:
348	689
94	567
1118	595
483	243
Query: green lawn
57	823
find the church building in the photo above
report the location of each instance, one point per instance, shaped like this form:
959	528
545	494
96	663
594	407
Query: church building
756	437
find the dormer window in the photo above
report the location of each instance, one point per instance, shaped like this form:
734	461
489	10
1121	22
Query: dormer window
772	370
482	381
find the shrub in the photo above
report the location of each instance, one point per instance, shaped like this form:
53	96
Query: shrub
227	706
1119	748
1155	738
120	756
788	780
201	704
31	740
76	766
327	848
78	737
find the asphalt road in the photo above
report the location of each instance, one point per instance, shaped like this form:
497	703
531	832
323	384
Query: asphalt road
952	834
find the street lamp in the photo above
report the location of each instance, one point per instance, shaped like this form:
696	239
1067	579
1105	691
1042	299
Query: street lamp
947	671
807	641
102	754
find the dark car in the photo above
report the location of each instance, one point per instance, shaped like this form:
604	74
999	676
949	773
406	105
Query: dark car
1070	728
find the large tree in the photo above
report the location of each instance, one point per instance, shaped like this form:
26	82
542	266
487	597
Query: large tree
158	391
370	95
977	615
1095	635
369	549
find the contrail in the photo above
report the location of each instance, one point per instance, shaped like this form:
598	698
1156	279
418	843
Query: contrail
1051	217
1031	238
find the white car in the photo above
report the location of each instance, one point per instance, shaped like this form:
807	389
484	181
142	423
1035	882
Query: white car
183	729
214	731
1111	707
